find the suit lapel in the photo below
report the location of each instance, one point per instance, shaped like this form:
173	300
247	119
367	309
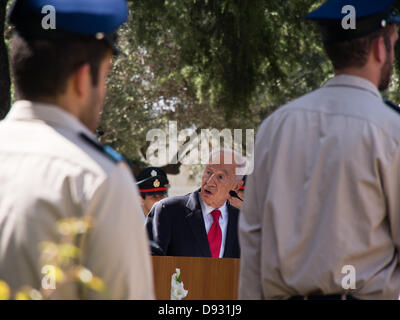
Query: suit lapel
195	220
231	232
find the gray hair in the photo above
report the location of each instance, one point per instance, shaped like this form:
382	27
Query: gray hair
238	160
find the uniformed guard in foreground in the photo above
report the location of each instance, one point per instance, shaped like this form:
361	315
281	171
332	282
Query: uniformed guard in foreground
153	187
52	166
321	216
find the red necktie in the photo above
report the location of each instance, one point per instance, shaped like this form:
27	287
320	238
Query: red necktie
215	235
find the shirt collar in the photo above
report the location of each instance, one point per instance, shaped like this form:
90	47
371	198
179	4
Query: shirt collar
348	80
206	209
24	110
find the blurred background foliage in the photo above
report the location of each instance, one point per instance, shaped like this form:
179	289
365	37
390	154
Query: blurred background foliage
209	64
61	266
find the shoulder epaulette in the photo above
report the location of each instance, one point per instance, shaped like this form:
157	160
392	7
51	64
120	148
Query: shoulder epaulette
107	150
393	105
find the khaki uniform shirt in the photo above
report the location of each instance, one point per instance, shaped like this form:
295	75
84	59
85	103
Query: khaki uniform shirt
324	194
49	172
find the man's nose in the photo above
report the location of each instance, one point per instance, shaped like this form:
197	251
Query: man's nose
211	179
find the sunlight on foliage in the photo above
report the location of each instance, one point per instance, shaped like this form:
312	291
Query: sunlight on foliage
60	260
4	291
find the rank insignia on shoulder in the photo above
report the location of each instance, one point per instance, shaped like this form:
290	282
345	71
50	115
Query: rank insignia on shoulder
107	150
393	105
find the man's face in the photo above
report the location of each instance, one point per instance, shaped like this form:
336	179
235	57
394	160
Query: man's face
91	116
150	200
387	68
218	179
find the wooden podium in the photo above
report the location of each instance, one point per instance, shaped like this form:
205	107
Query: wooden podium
204	278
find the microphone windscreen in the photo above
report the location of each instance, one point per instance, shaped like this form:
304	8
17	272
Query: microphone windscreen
234	194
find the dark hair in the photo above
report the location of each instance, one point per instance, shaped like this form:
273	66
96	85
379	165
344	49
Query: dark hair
354	53
42	67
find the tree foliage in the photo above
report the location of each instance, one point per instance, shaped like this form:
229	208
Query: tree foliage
5	99
212	64
209	64
227	48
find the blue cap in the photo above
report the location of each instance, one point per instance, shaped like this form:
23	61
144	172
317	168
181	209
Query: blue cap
90	18
371	15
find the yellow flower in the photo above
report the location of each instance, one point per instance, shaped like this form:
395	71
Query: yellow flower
82	225
91	281
74	226
35	295
69	250
59	275
4	291
20	295
49	251
85	275
97	284
65	227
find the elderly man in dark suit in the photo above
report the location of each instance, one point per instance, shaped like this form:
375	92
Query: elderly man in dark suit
202	223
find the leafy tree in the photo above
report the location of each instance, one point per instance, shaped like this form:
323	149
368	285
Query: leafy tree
4	65
226	47
209	64
212	64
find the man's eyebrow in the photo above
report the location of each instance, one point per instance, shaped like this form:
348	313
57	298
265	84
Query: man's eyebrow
224	170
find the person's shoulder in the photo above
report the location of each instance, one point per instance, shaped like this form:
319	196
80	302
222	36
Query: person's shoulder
102	158
360	105
387	119
97	165
232	209
86	159
177	205
104	150
292	105
174	201
84	152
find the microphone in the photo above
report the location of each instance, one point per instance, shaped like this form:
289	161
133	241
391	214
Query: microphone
234	194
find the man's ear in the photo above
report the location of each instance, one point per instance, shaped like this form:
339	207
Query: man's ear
238	185
81	80
379	49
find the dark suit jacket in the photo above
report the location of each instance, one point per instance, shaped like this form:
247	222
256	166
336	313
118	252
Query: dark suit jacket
176	228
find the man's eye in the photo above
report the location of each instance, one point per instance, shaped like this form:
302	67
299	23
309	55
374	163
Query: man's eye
220	176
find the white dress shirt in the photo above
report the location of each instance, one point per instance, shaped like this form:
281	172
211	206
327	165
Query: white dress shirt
223	221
